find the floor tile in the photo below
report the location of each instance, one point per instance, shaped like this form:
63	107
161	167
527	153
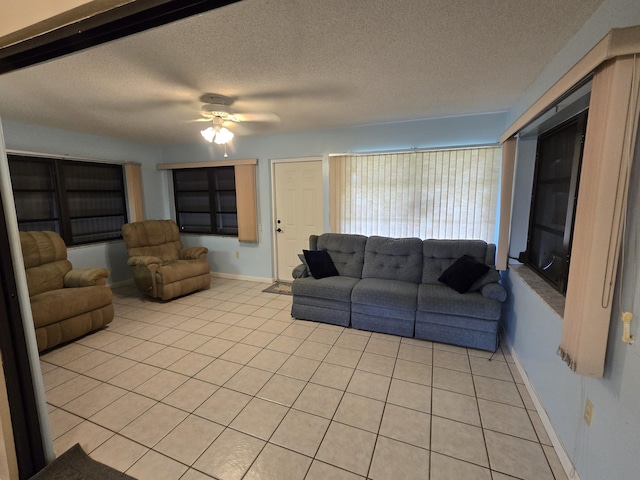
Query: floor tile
149	428
218	372
301	432
359	412
451	360
230	455
207	386
413	372
123	411
318	400
517	457
348	448
154	466
406	425
119	452
278	463
269	360
506	419
190	364
410	395
299	367
323	471
458	440
453	381
282	390
89	435
497	390
259	418
382	347
367	384
189	439
393	459
374	363
334	376
448	468
161	384
455	406
223	406
248	380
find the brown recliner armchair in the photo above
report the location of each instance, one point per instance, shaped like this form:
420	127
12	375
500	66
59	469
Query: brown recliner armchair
66	303
161	267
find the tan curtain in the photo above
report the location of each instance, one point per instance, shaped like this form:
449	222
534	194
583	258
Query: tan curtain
431	194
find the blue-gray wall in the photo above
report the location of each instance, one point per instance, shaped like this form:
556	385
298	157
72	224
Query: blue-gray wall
608	448
256	259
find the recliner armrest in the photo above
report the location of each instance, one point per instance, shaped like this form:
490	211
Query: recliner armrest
494	291
193	253
86	277
143	260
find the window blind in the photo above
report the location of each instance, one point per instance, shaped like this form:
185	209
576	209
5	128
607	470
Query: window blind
430	194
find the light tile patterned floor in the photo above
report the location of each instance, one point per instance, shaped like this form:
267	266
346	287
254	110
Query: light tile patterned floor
224	384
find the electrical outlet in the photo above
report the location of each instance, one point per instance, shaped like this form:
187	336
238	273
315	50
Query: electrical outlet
588	412
237	253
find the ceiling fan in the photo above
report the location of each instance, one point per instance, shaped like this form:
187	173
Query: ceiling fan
217	109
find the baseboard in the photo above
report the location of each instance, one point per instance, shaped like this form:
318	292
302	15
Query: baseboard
566	462
121	283
246	278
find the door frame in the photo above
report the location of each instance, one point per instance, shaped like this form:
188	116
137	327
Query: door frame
274	241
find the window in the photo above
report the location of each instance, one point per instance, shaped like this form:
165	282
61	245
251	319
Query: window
432	194
205	200
84	202
553	204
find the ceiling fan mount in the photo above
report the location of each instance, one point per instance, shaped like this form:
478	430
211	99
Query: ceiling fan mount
219	106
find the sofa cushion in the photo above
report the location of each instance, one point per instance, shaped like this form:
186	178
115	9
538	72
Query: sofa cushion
463	273
385	293
440	254
331	288
442	299
393	259
320	264
155	238
346	251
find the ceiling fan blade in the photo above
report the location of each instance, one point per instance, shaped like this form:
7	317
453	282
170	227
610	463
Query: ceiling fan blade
256	117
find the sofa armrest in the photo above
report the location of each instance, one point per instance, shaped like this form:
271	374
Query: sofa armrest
193	253
494	291
143	261
86	277
300	271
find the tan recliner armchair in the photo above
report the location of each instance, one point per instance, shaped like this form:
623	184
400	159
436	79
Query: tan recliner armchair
161	267
66	303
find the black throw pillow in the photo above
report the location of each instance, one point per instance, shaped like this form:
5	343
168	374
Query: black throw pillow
463	273
320	264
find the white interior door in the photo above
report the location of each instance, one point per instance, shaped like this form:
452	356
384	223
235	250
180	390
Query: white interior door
298	211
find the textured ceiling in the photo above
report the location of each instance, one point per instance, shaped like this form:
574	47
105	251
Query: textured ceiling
316	64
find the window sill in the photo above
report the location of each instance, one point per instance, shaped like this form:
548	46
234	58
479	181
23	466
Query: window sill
546	292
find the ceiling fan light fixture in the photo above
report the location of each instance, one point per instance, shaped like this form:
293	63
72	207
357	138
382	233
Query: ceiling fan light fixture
217	134
223	136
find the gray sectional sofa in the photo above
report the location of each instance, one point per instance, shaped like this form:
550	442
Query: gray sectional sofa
391	285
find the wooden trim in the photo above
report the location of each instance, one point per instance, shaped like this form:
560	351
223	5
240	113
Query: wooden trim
506	202
133	182
246	203
214	163
618	42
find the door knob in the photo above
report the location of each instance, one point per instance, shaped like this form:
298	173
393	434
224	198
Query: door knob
279	230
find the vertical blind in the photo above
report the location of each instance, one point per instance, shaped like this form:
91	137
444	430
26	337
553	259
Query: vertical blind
430	194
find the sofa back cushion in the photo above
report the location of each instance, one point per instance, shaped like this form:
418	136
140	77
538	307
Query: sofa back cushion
45	261
393	259
440	254
346	250
156	238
